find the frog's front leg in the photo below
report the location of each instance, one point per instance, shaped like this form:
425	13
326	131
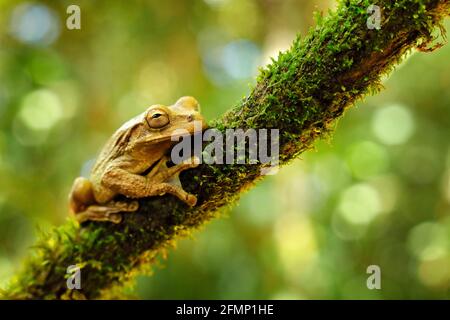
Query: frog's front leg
158	182
161	173
168	181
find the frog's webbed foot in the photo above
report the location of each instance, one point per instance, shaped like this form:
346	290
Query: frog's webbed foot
107	212
167	180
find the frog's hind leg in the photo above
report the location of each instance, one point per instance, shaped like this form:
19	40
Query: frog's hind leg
81	195
107	212
84	207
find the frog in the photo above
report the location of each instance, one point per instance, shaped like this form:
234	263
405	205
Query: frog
133	164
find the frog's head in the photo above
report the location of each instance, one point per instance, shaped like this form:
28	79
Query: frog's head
164	122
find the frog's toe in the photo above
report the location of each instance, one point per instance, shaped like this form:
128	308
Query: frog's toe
115	218
195	160
133	206
124	206
192	162
191	200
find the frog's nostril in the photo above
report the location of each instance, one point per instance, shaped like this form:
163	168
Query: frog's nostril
190	117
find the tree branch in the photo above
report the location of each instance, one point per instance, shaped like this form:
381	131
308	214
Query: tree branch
302	93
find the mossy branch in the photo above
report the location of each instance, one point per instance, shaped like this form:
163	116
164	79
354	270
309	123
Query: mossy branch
302	94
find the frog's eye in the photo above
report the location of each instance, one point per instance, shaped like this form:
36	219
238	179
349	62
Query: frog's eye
157	119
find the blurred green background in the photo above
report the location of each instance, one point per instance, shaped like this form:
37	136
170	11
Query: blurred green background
377	194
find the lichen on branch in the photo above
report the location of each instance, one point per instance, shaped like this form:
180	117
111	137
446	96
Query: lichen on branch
302	93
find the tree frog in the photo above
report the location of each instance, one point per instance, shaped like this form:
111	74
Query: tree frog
133	163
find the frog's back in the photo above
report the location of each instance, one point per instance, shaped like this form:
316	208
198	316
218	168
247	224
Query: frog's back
114	148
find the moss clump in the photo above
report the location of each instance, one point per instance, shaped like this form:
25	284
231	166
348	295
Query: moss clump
302	94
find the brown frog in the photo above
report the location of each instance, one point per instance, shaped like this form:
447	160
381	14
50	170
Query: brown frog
133	163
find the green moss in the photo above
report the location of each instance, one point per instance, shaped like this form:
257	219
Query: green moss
302	93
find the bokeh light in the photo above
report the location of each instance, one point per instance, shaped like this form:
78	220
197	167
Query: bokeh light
34	23
296	243
40	110
228	62
360	204
367	159
240	59
393	124
429	241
